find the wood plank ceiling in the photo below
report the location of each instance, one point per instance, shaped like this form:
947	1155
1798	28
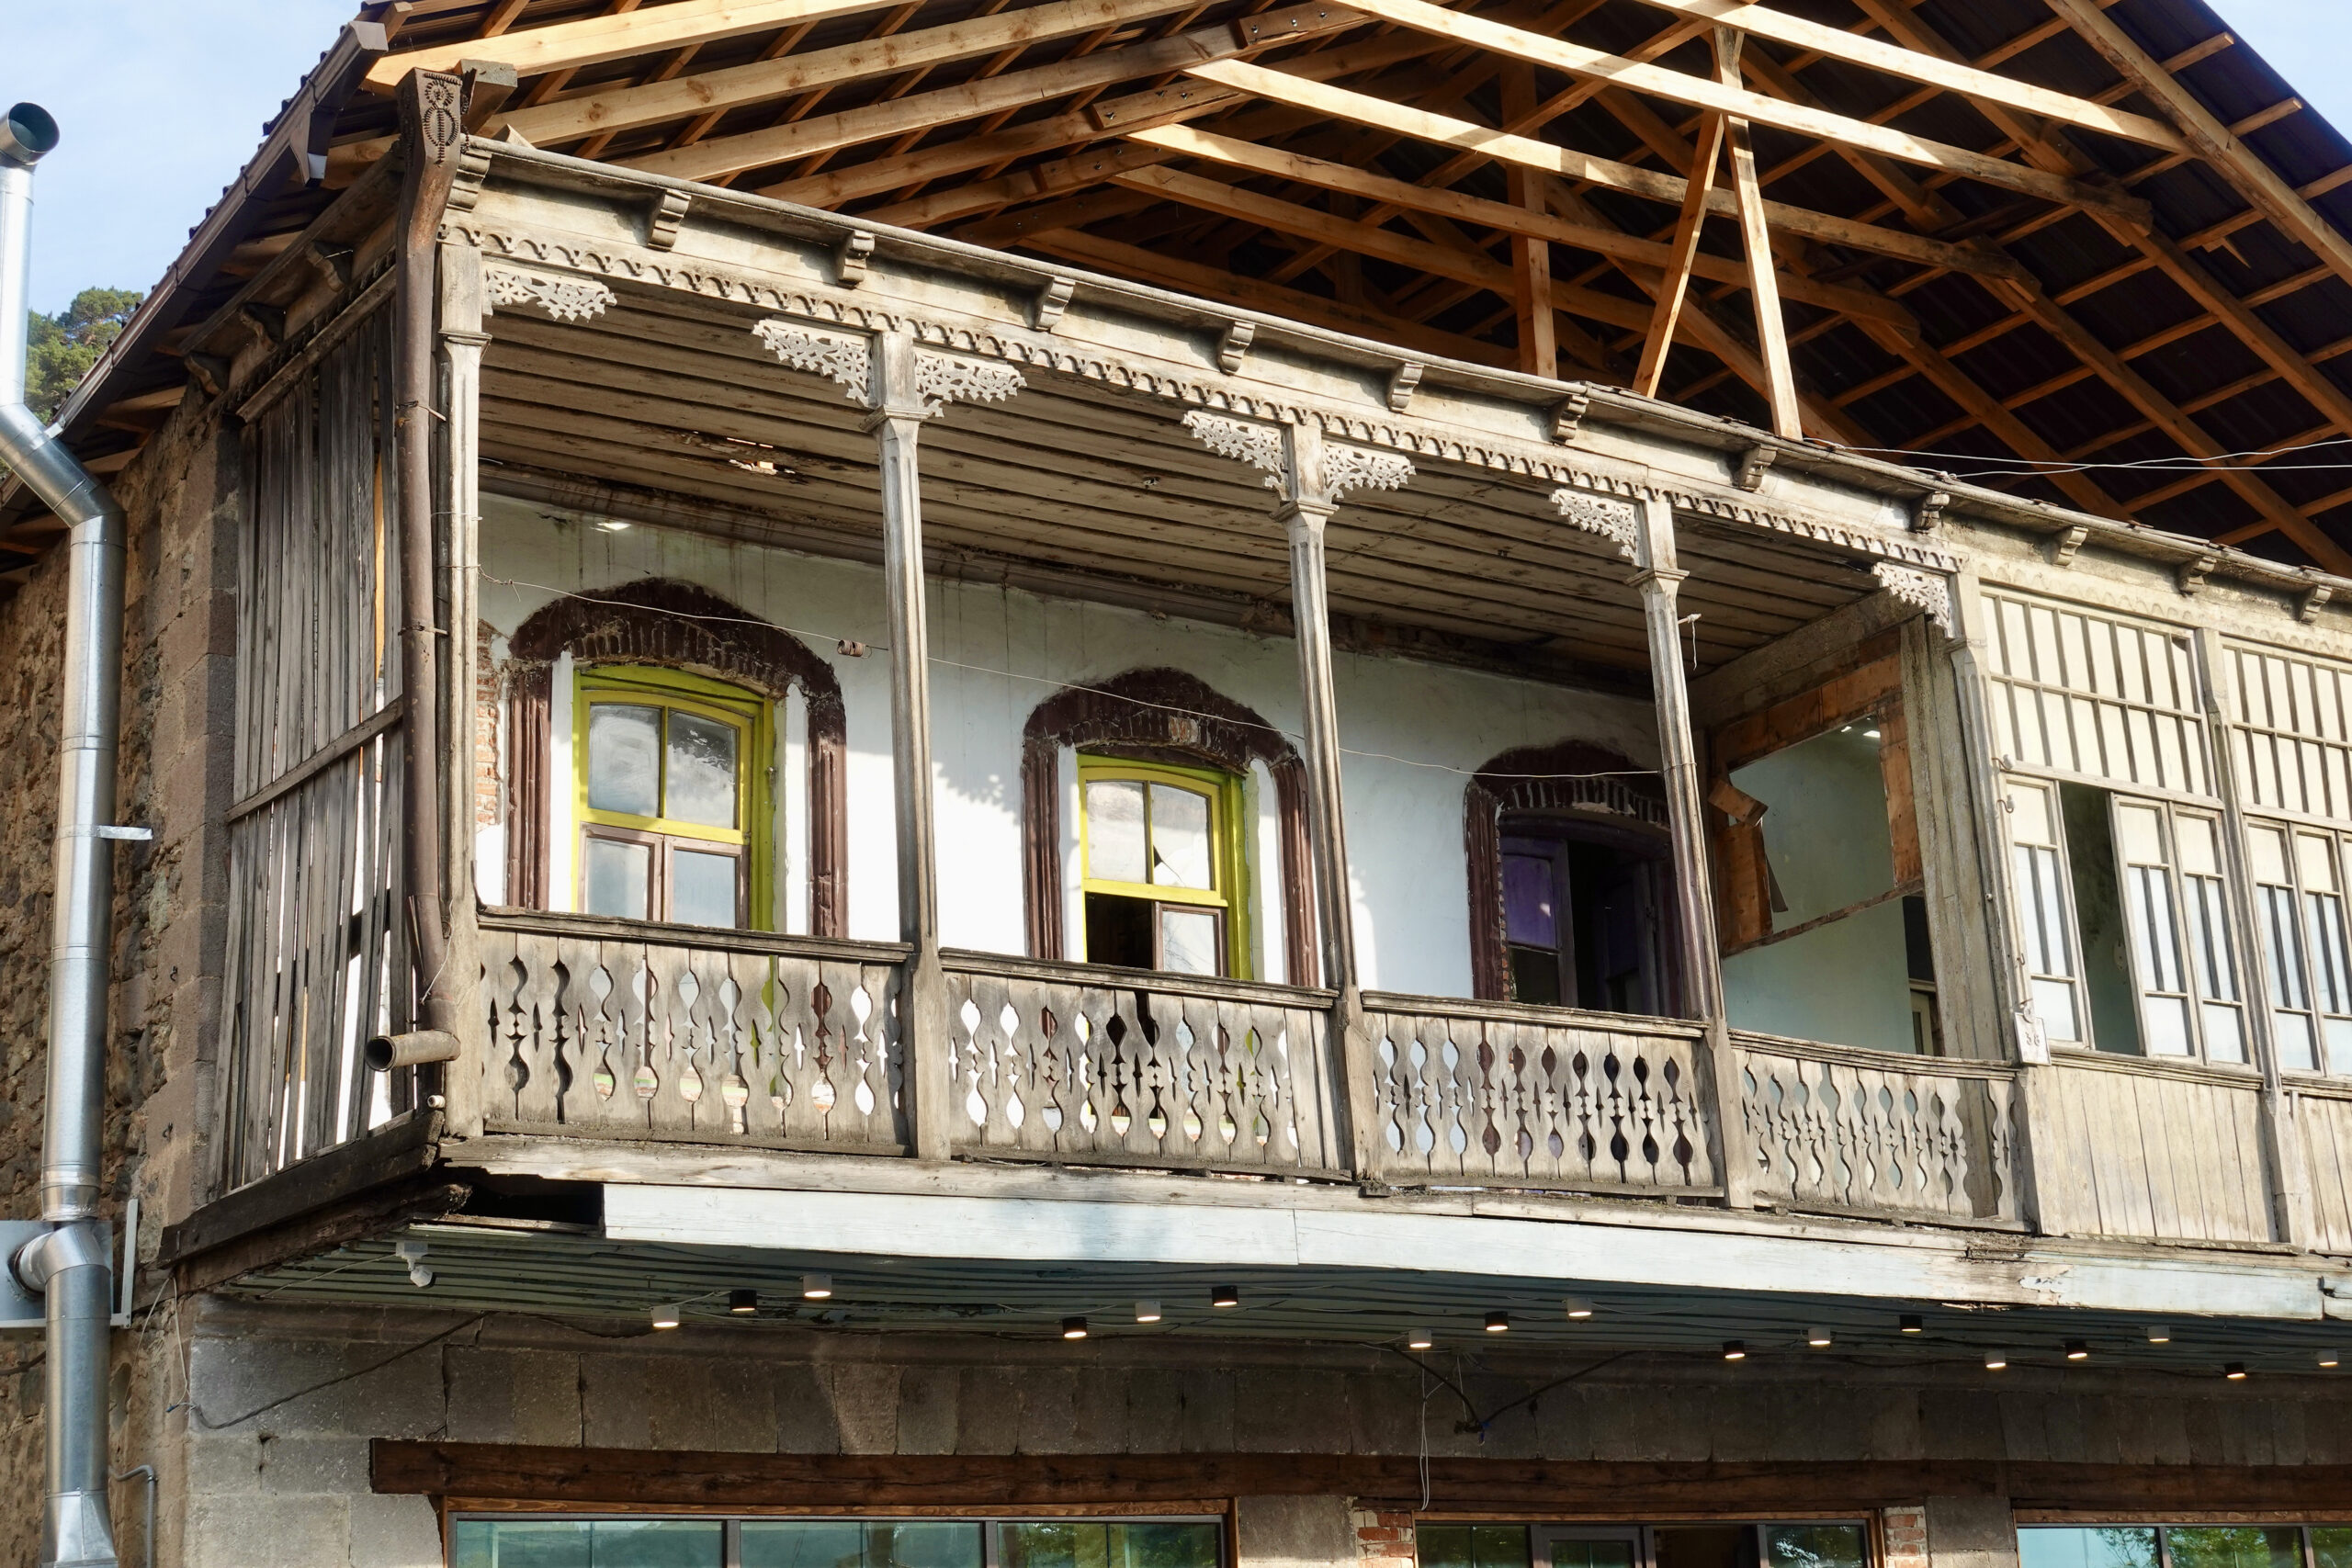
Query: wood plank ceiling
2089	245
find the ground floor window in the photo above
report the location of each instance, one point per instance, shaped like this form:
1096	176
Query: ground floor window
2185	1546
538	1541
1805	1545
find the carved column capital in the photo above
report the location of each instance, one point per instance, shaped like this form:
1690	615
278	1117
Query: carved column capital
887	373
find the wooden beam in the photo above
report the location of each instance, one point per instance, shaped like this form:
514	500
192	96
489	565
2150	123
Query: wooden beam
1015	90
592	39
2255	180
1281	164
623	107
1836	43
1253	294
1674	284
1289	87
1755	241
1559	54
1467	267
1530	254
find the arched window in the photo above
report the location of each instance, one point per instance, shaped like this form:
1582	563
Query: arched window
675	674
1571	883
1162	741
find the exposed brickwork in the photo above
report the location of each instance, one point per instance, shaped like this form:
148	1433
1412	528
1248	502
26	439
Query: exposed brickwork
1903	1536
1384	1538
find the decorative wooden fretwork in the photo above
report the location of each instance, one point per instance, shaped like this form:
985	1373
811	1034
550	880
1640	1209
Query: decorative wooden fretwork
1497	1095
1836	1131
2290	731
2077	692
1065	1061
594	1030
1614	520
564	299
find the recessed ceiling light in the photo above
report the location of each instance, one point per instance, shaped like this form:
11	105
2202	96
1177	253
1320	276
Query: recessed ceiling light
1576	1307
817	1287
1911	1323
1994	1360
1224	1295
2076	1350
1498	1323
742	1304
667	1315
2235	1371
1819	1339
2159	1334
1418	1339
1073	1328
1735	1351
1147	1312
2330	1358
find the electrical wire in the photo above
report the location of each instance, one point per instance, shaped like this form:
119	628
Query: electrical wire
1291	736
2184	463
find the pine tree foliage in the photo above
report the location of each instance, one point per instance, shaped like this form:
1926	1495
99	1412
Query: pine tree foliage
66	345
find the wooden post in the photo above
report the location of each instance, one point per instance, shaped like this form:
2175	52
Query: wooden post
1531	259
1659	578
897	419
462	342
1756	242
1667	311
2282	1154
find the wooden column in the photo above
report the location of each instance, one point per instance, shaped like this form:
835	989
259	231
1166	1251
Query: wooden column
1659	578
1305	509
462	342
1531	258
897	419
2283	1154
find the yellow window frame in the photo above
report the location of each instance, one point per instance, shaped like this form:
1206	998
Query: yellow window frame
753	718
1229	846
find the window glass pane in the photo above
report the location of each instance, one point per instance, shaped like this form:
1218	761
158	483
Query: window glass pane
521	1543
1813	1546
624	759
1472	1546
1529	919
945	1543
1592	1553
805	1543
1083	1543
2199	851
702	887
2270	852
2316	858
1179	837
702	771
615	876
2332	1546
1114	842
2235	1546
2099	1546
657	1543
1188	942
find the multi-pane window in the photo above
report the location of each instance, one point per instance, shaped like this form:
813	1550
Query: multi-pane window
2047	931
538	1541
2185	1546
1713	1544
2307	968
670	772
1163	867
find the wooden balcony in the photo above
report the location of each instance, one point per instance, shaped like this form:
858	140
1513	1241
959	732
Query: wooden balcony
606	1028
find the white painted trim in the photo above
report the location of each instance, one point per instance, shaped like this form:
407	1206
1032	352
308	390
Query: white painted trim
561	827
1266	937
795	833
1049	1231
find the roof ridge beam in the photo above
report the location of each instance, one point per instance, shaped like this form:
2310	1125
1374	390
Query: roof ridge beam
1895	60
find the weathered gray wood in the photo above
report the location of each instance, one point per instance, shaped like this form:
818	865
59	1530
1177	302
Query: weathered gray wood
460	323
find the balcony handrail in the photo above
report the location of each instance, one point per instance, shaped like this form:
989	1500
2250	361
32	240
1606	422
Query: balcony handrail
1530	1012
2219	1075
661	934
1067	972
1873	1059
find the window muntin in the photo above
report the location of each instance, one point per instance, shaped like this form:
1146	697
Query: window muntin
1716	1544
671	781
1163	870
509	1541
2124	922
2307	962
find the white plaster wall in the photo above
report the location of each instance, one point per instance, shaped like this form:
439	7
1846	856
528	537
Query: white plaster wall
1414	732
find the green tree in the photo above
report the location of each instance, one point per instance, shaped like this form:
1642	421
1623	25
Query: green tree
66	345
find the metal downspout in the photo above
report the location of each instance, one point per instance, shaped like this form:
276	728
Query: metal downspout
69	1264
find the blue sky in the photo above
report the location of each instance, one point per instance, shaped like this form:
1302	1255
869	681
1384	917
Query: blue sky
162	101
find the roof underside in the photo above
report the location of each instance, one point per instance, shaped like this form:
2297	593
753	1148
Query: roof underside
2107	301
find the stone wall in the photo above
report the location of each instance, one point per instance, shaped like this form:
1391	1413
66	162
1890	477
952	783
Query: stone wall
177	709
284	1400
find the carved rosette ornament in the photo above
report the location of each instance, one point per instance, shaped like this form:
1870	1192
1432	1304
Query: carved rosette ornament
1616	521
563	298
1925	592
841	356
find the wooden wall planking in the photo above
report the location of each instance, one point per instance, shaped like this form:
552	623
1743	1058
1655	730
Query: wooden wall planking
2131	1149
2324	1122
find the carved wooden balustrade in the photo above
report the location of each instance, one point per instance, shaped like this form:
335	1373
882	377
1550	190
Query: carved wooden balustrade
1486	1092
1080	1063
1865	1132
612	1027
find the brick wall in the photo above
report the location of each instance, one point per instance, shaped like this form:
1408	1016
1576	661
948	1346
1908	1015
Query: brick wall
1903	1536
1384	1538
